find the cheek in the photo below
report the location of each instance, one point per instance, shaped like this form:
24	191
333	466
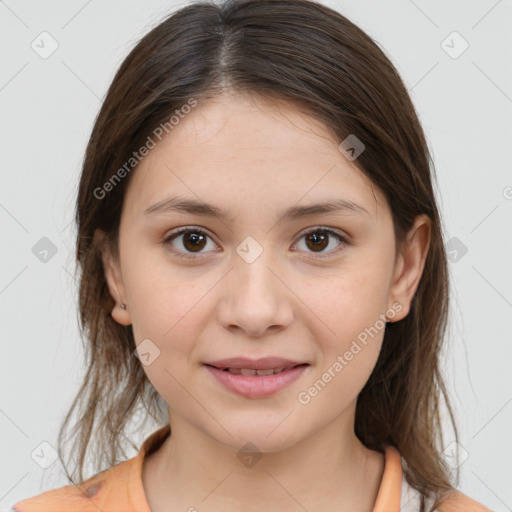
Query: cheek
168	324
162	296
349	331
349	302
347	361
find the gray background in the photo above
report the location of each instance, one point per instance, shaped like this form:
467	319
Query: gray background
48	106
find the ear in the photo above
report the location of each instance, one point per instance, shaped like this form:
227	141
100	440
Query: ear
113	276
409	266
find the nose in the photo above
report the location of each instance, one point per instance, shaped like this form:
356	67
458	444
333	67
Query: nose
256	297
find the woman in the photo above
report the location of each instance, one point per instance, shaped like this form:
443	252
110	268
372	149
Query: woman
257	225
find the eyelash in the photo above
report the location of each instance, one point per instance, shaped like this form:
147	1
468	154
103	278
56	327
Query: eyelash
322	229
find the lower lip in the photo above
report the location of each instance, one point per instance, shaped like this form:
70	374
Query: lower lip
257	386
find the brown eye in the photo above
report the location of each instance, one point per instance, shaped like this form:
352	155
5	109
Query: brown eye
187	242
318	239
193	241
190	243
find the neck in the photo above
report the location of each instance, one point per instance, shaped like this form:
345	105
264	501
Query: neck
329	470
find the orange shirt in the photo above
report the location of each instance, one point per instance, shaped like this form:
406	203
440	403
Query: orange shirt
120	489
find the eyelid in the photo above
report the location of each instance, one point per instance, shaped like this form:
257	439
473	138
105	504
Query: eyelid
186	229
342	237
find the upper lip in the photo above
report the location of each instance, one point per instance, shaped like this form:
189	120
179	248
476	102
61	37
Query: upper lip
265	363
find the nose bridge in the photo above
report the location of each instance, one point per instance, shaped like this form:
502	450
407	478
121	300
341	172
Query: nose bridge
255	265
255	298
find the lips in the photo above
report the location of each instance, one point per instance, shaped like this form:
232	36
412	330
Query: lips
250	371
244	363
256	382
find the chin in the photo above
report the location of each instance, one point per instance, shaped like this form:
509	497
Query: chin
266	436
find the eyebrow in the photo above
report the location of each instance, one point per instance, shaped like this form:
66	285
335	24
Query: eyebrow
194	207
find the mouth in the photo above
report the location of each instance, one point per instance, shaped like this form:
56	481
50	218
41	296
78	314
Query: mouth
256	371
256	382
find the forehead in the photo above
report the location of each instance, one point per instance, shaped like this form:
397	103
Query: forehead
252	148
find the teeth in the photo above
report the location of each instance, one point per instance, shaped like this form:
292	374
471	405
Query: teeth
249	371
265	372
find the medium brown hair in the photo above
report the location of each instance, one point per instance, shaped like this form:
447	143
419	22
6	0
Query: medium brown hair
302	52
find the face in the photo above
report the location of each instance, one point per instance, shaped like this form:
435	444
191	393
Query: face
249	281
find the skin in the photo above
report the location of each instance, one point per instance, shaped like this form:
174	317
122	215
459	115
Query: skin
255	158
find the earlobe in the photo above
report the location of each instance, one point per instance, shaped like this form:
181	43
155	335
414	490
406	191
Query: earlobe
114	280
410	265
121	315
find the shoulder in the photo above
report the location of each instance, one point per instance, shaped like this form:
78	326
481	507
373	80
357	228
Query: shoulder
68	498
456	501
453	501
117	488
83	497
